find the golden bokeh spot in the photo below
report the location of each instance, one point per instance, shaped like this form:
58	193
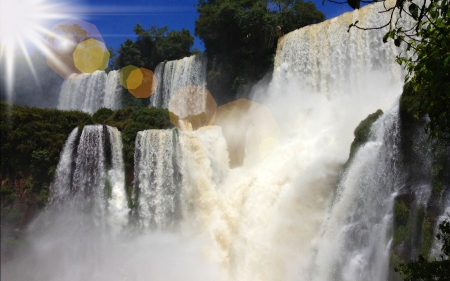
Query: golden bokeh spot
90	55
267	145
245	125
124	73
63	40
191	107
147	86
135	78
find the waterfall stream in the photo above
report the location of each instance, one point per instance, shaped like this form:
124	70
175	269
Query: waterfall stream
89	92
157	178
355	244
293	213
91	170
176	75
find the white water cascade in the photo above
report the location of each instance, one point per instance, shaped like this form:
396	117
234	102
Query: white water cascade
176	75
92	171
264	220
157	178
89	92
331	61
286	215
356	238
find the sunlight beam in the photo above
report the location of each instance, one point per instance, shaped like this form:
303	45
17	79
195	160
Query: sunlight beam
22	28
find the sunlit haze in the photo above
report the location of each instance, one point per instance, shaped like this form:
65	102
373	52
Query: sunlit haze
23	27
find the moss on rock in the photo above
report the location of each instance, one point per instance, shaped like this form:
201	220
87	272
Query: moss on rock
362	132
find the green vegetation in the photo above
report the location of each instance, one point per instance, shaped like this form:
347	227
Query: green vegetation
403	220
416	228
362	132
401	212
31	142
240	38
427	89
427	235
153	46
429	68
423	269
130	121
438	167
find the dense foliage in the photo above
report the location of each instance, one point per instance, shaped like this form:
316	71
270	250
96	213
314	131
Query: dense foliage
153	46
130	121
31	142
240	38
428	90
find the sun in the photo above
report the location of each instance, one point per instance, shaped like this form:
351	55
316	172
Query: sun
22	28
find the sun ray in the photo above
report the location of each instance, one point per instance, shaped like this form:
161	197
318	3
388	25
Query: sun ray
27	58
22	28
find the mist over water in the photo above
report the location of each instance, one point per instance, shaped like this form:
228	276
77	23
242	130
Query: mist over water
355	244
283	215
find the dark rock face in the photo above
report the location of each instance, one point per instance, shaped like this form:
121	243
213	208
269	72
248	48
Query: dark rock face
425	194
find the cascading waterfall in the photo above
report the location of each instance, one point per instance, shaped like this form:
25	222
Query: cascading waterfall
331	61
176	75
92	170
117	204
113	90
60	189
355	244
157	178
287	215
89	92
425	193
264	220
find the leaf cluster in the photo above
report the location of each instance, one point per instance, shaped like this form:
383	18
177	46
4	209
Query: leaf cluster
130	121
32	140
240	37
153	46
428	67
426	59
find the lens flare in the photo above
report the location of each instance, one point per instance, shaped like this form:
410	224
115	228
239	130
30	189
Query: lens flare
22	27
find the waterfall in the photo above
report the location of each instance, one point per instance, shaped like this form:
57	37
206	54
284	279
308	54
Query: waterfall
113	90
355	244
91	169
60	188
331	61
176	75
297	212
157	178
89	92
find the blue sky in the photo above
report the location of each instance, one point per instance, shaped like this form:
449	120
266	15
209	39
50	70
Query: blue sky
115	19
